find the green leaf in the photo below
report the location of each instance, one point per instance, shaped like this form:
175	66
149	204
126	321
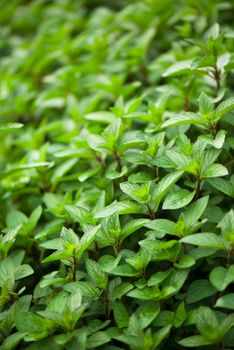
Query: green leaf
34	326
209	240
20	168
224	107
195	211
164	185
220	277
23	271
223	185
57	256
219	139
127	127
158	278
132	226
120	290
76	213
139	193
89	173
180	315
206	107
179	159
9	128
12	341
97	339
16	218
86	289
104	117
162	225
214	31
75	301
208	324
215	170
145	293
120	314
199	290
147	313
177	200
160	335
227	224
124	270
185	262
96	274
226	301
35	216
69	237
124	207
194	341
226	325
183	119
61	170
87	238
216	142
156	245
109	262
178	68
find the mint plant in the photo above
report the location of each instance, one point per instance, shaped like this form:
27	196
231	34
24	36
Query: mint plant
116	175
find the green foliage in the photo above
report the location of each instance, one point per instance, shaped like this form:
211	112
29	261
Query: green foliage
116	175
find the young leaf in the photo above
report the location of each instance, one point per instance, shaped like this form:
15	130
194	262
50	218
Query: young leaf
206	107
87	238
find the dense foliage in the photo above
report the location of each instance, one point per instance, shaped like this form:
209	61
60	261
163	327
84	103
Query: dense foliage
116	186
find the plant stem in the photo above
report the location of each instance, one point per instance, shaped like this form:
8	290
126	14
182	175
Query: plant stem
118	160
117	247
150	212
97	250
217	78
230	252
101	161
156	172
143	274
74	268
198	188
186	104
213	128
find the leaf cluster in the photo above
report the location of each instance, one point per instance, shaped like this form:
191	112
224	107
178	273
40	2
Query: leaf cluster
116	175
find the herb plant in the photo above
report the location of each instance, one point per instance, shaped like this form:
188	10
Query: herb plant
116	175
